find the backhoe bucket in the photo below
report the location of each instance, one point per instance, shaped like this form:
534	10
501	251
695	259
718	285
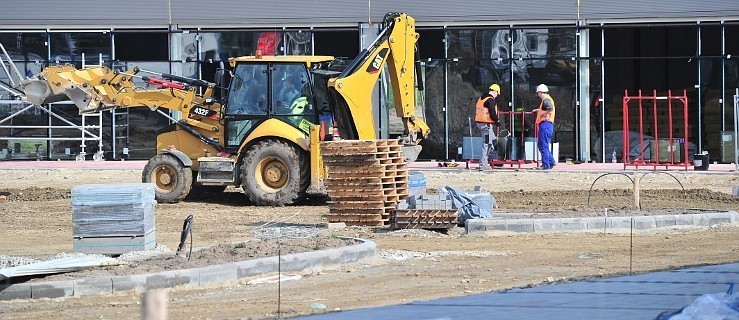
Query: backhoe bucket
39	92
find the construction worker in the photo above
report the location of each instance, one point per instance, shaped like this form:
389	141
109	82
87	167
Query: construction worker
545	122
486	115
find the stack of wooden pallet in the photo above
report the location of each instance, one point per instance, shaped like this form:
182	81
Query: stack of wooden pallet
366	179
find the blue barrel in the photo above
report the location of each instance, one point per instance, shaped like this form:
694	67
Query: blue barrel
416	183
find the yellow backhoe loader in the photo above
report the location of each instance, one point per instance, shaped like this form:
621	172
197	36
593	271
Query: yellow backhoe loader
260	129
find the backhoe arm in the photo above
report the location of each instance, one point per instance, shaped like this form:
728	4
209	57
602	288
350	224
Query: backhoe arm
396	46
99	88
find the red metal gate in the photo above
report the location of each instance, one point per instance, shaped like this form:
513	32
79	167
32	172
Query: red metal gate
657	109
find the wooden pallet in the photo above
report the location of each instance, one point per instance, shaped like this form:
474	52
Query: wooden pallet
366	179
424	219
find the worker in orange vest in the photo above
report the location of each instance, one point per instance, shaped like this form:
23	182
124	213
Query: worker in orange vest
545	121
486	115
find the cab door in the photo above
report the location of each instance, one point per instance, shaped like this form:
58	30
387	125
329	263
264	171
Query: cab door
248	102
292	98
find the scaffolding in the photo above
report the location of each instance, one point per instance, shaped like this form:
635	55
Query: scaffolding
91	126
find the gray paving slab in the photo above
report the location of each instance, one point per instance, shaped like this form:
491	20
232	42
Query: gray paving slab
15	291
642	296
92	286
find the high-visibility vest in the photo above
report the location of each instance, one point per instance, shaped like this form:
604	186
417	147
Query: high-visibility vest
542	115
482	114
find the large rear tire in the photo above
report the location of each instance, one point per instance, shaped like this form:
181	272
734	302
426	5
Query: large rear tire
172	180
275	173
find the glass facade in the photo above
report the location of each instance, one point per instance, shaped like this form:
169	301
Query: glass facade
458	64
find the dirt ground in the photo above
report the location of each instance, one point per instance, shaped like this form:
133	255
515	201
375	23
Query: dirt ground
413	264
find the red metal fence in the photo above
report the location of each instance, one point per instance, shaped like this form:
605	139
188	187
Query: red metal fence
658	118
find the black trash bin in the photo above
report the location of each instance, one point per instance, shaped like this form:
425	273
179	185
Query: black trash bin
700	162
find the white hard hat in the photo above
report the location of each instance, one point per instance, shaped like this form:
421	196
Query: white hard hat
542	88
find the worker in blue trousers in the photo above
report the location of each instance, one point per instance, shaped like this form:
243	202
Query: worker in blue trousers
545	122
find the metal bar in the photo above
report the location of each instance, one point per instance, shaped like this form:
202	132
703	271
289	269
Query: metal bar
656	131
624	131
6	101
669	116
49	127
723	79
685	126
602	95
40	138
446	95
641	128
736	125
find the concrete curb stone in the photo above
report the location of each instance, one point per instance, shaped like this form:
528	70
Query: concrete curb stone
196	277
473	226
52	289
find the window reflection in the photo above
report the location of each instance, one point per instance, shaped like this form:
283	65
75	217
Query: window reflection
248	93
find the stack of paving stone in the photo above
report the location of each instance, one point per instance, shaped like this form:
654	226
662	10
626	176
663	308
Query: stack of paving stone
425	212
366	179
113	218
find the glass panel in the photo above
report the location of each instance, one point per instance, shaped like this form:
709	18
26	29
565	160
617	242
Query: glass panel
290	94
433	147
595	38
22	148
28	51
731	39
236	130
596	109
248	93
68	149
710	40
340	44
184	47
710	87
68	47
730	89
299	42
560	77
674	41
541	43
220	46
149	46
431	44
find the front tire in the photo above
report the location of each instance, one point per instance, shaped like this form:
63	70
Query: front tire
172	180
275	173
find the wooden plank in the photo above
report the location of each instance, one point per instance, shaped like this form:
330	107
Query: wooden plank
357	217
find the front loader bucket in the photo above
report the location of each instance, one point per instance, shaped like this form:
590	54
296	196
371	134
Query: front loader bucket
39	92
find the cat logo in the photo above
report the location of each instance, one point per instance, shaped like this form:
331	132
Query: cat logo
376	64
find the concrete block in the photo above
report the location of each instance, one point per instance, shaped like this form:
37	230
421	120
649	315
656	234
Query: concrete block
15	291
700	220
133	282
255	267
217	274
520	225
715	218
735	191
84	287
547	225
665	221
337	225
167	279
620	222
299	261
684	219
574	224
481	225
52	289
188	277
598	223
644	223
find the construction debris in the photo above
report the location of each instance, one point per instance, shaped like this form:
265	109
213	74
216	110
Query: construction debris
366	179
62	265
